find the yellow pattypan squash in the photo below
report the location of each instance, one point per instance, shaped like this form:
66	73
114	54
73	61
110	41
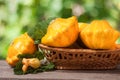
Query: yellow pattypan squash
61	32
21	45
99	35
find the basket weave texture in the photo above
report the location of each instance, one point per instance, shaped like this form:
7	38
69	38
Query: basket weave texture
64	58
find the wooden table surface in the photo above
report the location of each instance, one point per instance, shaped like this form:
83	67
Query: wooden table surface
6	73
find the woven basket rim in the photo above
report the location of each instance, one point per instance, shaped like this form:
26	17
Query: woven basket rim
77	50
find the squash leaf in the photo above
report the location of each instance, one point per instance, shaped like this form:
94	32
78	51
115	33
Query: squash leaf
39	30
39	55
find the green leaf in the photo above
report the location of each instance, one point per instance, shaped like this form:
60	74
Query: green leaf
25	56
48	67
37	54
18	68
43	68
38	31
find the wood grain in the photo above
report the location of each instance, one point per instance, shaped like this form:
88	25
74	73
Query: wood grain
6	73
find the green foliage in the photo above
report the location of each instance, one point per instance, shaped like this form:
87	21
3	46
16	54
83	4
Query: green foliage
48	67
39	30
18	16
39	55
18	68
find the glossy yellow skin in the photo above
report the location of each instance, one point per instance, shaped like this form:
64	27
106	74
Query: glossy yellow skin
21	45
82	26
61	32
99	35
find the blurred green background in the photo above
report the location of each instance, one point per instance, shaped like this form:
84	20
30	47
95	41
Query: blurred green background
16	16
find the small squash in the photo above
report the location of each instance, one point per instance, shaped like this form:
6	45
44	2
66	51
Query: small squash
99	35
21	45
33	62
61	32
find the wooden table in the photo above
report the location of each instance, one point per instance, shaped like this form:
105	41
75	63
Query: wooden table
6	73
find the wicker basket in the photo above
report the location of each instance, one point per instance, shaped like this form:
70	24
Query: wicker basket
64	58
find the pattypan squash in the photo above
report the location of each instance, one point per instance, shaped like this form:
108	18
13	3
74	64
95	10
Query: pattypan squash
99	35
61	32
23	44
